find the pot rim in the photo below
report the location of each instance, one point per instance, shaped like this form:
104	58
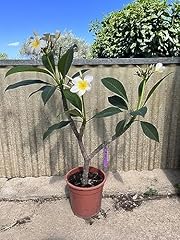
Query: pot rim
84	188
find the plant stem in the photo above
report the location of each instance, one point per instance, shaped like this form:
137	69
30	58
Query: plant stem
82	148
50	64
79	137
82	128
84	110
65	106
86	162
54	75
101	146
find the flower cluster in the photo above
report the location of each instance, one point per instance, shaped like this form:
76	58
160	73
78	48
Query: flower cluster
46	44
40	45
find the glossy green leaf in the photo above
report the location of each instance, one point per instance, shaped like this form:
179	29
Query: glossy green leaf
48	62
150	131
25	83
141	112
115	86
39	90
47	93
140	88
19	69
74	113
118	102
154	88
55	127
120	128
107	112
64	62
73	98
77	74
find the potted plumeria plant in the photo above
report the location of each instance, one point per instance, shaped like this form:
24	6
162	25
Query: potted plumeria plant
86	183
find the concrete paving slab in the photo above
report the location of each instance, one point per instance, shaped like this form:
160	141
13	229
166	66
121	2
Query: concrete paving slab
139	181
153	220
54	220
132	181
32	187
2	182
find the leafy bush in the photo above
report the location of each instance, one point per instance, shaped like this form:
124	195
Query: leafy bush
145	28
66	40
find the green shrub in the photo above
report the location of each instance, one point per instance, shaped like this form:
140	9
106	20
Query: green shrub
145	28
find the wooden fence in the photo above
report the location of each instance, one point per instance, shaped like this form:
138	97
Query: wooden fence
23	121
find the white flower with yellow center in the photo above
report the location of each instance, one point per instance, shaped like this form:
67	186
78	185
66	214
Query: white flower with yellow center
81	85
159	68
36	44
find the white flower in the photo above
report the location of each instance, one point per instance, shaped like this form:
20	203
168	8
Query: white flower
36	44
159	68
81	85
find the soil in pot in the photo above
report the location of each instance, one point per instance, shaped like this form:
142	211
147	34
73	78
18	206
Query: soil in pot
93	179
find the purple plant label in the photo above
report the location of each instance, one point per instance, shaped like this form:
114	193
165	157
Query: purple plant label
105	157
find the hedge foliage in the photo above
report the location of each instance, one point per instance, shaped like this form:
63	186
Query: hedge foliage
145	28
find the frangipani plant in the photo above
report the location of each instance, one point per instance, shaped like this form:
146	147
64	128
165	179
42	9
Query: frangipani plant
72	89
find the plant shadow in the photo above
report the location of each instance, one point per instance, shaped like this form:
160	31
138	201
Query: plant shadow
102	134
57	148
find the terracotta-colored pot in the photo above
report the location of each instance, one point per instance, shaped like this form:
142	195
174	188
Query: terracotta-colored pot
85	201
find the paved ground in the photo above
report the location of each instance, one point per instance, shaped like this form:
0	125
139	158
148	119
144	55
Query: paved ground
54	220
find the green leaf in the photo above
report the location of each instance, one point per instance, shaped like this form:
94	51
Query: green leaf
48	62
19	69
115	86
141	112
47	93
107	112
77	74
150	131
74	113
73	98
154	88
65	62
39	90
120	128
140	88
55	127
118	102
25	83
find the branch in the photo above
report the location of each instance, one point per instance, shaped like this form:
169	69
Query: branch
81	132
82	128
101	146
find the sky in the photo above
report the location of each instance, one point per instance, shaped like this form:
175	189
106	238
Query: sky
20	18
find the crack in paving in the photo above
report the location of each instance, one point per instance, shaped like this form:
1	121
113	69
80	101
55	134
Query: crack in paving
52	198
127	201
